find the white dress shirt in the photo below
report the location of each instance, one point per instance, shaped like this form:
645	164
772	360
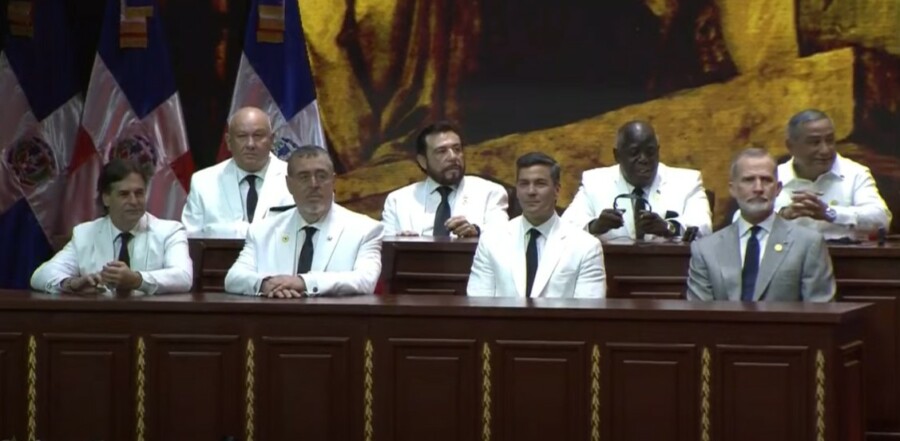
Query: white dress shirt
544	228
849	189
762	235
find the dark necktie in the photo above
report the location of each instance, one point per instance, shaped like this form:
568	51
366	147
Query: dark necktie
443	212
639	206
531	260
252	196
123	251
751	266
306	253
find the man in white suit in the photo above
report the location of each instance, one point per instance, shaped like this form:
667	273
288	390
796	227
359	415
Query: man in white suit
760	257
640	197
128	251
537	254
319	248
447	201
226	198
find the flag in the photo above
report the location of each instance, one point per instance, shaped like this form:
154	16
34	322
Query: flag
132	111
38	126
275	76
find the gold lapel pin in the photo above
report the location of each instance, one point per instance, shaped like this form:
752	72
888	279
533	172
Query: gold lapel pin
285	239
778	247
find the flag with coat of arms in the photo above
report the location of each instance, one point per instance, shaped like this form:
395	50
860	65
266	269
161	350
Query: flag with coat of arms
132	111
275	76
38	125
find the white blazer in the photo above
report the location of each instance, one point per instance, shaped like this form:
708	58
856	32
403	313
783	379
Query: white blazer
675	191
482	202
346	257
571	263
159	252
214	206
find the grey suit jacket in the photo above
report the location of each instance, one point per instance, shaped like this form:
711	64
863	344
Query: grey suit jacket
795	266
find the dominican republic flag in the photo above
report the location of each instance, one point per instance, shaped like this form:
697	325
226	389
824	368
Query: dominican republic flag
275	76
38	125
132	111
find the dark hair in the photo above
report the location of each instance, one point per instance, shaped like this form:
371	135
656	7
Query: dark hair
442	126
116	170
309	151
800	119
539	158
750	152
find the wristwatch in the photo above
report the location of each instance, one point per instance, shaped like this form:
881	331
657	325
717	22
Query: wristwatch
830	214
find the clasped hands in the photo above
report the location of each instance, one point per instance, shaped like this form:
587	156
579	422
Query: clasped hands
283	287
115	275
457	225
647	221
805	204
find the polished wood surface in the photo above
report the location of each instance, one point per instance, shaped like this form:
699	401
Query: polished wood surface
206	366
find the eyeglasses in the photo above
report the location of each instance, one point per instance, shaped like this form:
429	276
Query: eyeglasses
306	178
633	198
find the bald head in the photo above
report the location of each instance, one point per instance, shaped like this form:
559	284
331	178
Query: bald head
250	138
637	152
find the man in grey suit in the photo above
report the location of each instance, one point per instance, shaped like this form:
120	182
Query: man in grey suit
760	257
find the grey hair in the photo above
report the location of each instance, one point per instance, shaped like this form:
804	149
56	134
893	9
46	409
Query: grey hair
799	120
749	152
309	151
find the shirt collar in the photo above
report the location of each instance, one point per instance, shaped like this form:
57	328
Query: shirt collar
790	176
744	226
545	228
261	174
140	226
431	185
319	225
647	190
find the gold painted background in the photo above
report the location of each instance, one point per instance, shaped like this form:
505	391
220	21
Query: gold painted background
713	76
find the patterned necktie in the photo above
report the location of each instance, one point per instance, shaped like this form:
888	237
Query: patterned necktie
306	253
639	206
751	266
252	196
531	260
443	212
123	251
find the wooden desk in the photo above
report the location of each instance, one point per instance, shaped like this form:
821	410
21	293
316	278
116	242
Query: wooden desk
212	258
204	366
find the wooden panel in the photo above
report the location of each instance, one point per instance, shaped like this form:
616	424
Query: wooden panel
883	327
763	392
194	392
655	383
432	377
12	382
850	392
212	258
541	390
304	392
647	287
87	394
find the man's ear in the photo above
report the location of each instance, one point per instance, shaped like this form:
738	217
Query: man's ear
616	154
422	161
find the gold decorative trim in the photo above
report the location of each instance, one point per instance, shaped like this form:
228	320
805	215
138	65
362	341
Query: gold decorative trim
486	392
250	384
32	388
820	396
704	394
369	396
595	394
141	379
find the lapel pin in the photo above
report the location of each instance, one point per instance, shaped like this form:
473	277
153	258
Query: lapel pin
329	237
284	238
779	247
833	202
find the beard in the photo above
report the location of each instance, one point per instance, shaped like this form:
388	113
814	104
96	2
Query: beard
448	176
756	207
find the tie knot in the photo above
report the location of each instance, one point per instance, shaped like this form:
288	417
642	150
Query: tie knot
754	230
125	237
251	179
310	230
638	191
534	233
444	191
